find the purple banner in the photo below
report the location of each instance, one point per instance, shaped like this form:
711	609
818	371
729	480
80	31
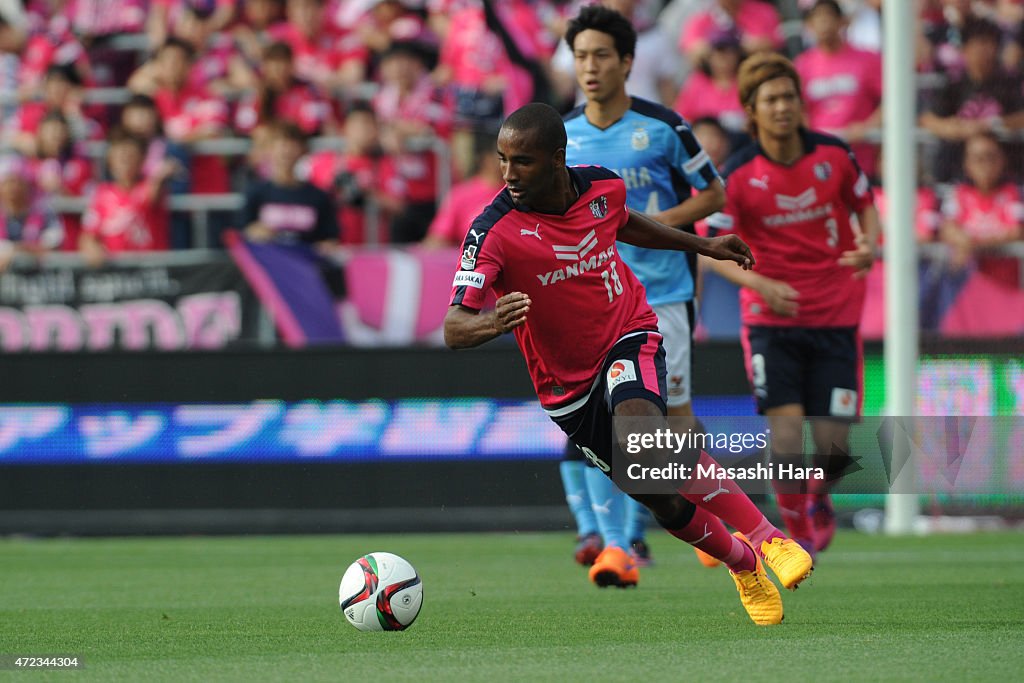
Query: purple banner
289	280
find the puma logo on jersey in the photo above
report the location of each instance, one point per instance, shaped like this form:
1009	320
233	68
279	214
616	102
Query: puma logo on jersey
760	183
476	236
535	232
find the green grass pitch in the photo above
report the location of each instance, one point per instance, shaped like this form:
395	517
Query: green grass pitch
508	607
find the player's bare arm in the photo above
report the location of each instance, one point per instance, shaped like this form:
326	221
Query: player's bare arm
779	295
862	257
465	328
642	231
695	208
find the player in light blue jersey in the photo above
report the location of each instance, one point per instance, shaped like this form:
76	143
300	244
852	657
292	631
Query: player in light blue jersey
669	177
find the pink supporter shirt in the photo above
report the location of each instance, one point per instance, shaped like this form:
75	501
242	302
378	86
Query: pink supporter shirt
701	97
841	89
926	220
127	219
474	54
985	216
185	112
464	203
754	19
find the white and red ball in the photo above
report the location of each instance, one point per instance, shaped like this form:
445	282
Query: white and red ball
380	592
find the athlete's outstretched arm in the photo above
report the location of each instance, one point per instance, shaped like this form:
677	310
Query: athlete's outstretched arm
465	328
779	295
695	207
640	230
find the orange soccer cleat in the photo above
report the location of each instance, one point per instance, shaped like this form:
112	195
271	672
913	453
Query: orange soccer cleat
614	567
707	560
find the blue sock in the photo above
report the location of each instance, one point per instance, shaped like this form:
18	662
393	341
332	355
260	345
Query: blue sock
609	504
637	518
577	497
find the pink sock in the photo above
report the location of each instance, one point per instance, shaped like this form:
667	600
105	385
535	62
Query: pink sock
765	531
705	531
735	508
793	507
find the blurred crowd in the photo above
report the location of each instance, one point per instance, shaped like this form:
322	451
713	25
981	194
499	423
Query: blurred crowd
120	103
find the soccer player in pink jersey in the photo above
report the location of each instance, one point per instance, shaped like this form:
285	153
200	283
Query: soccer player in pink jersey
791	195
547	246
842	85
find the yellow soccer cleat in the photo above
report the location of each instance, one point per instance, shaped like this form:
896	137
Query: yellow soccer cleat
787	558
758	594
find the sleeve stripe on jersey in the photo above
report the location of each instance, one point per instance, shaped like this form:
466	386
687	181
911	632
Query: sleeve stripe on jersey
862	186
474	242
696	162
720	221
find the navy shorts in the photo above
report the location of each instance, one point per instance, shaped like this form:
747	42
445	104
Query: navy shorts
820	368
634	368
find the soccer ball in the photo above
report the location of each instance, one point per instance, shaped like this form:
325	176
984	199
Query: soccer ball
380	592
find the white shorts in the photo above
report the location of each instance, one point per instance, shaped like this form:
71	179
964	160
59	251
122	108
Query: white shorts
674	325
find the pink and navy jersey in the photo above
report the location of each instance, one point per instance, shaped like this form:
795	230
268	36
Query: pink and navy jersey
796	220
584	296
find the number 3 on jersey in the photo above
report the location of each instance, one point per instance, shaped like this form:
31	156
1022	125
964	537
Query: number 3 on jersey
612	283
832	226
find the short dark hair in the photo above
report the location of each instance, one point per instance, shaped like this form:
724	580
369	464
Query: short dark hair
183	45
605	20
405	48
543	121
831	5
120	136
278	50
140	101
65	72
711	121
980	28
57	116
289	130
361	107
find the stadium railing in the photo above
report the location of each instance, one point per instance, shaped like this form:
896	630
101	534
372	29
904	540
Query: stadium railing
201	205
